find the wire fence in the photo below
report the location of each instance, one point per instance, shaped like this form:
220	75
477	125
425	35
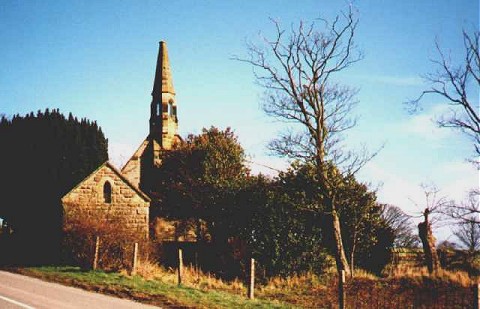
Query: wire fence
398	294
358	293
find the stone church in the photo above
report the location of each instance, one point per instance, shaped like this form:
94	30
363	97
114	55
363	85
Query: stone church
126	195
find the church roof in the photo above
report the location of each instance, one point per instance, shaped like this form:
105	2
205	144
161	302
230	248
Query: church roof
163	76
138	153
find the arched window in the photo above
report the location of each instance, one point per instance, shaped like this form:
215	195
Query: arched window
170	108
107	192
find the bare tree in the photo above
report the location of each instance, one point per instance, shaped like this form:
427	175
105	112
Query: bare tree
401	225
428	243
433	204
468	233
467	211
297	70
458	84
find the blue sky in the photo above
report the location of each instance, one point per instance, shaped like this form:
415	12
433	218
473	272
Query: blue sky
96	59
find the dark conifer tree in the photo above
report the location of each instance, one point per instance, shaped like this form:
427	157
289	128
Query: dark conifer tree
43	157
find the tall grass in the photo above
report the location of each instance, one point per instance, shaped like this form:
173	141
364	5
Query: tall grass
197	279
158	285
417	275
191	277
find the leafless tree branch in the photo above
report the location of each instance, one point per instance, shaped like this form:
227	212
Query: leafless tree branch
467	211
459	86
296	69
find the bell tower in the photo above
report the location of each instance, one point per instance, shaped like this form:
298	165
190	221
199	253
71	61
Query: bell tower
163	109
142	168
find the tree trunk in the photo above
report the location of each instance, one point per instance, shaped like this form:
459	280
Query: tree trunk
352	254
428	242
340	257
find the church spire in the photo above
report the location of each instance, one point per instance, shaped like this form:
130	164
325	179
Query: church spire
163	109
163	82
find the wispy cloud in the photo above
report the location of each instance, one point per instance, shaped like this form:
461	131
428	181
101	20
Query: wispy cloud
424	124
394	188
462	177
425	127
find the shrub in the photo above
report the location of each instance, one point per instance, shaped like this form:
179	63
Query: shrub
116	243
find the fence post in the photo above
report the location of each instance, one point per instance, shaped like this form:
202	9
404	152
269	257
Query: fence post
180	266
476	294
95	255
134	263
251	285
341	290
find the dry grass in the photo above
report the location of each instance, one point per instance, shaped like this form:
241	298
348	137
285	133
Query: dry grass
192	277
311	291
157	285
460	278
306	291
363	274
302	290
197	279
308	280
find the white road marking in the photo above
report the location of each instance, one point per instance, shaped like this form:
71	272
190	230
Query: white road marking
16	302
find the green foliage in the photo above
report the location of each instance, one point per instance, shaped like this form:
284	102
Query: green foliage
280	235
283	222
43	156
200	179
367	236
291	225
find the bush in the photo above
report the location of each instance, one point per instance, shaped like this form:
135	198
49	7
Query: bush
116	244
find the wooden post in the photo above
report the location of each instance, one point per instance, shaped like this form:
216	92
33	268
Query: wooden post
196	259
197	268
180	266
251	285
134	263
95	255
341	290
476	293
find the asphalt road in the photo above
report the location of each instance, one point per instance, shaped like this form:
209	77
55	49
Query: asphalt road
22	292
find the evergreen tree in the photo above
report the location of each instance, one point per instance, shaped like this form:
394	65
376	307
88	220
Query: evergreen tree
43	157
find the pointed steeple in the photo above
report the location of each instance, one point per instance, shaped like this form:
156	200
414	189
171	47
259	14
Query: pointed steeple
142	166
163	77
163	109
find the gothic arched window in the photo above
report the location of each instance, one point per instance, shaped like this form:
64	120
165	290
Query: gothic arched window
107	192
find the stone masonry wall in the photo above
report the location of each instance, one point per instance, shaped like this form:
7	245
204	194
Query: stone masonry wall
127	209
131	170
170	129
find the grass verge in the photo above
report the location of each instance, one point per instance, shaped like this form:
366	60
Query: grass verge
157	285
153	292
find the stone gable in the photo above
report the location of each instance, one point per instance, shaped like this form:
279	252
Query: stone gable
107	195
